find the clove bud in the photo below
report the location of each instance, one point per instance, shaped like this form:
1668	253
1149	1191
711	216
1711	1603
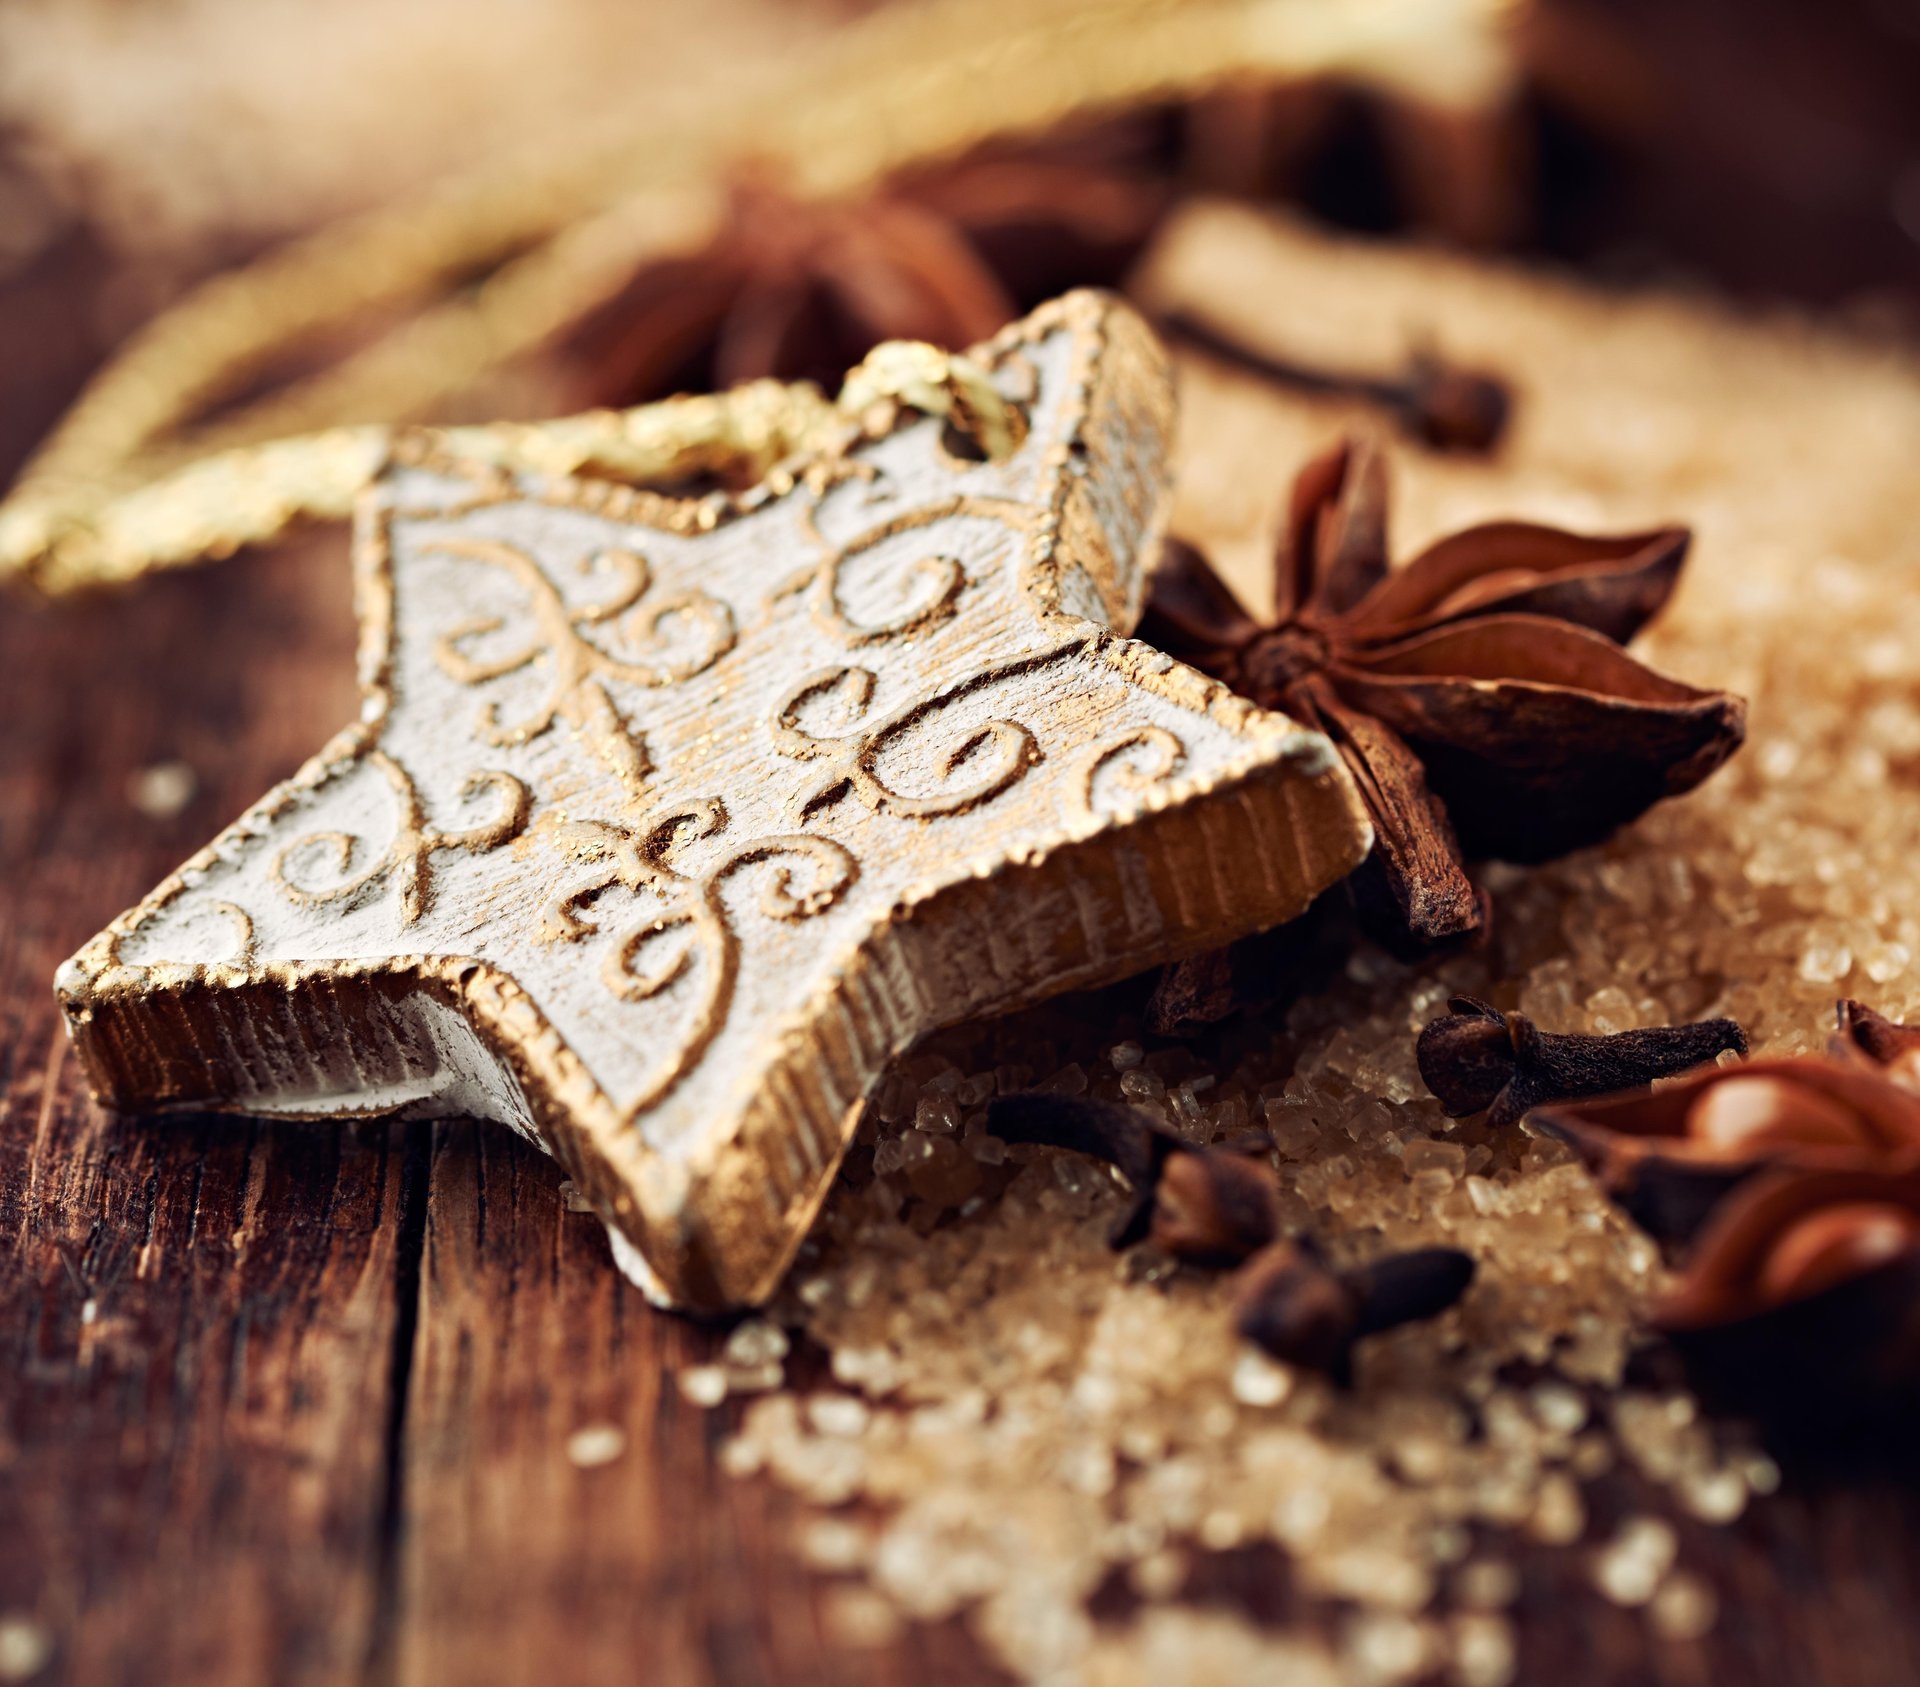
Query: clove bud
1476	1058
1102	1130
1193	992
1295	1306
1214	1207
1436	402
1209	1206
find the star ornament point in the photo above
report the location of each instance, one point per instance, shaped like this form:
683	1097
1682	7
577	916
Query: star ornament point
667	824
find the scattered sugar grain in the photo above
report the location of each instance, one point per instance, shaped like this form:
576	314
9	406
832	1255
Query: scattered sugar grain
1559	1515
860	1619
1760	1473
703	1385
1558	1407
595	1445
844	1415
1713	1496
1483	1651
1685	1608
835	1543
164	790
1159	1574
26	1646
742	1457
1486	1584
756	1342
1258	1380
755	1379
1380	1649
1630	1567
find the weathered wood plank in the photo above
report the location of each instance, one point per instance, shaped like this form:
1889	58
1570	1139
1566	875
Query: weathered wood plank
655	1566
196	1316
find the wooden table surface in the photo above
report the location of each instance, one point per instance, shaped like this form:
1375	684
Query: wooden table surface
289	1404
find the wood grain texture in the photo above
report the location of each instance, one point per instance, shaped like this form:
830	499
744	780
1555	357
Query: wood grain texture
199	1317
654	1566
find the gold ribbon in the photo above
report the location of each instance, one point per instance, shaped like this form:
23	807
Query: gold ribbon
128	483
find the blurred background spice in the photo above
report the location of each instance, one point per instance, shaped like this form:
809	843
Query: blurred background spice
144	147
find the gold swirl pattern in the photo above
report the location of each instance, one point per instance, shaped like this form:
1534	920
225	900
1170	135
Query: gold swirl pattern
578	687
998	752
644	960
408	858
242	952
929	587
1134	761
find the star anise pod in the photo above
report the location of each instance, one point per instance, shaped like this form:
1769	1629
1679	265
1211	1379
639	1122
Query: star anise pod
1800	1299
1479	695
803	289
1671	1157
1790	1190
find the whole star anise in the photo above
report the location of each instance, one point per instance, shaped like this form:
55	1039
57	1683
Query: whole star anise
1479	695
802	289
1671	1157
1790	1192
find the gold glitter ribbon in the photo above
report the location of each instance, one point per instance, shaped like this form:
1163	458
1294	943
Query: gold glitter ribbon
127	482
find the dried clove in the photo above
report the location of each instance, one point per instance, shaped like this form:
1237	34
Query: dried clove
1214	1207
1295	1306
1268	968
1102	1130
1436	402
1219	1206
1198	990
1477	1059
1209	1206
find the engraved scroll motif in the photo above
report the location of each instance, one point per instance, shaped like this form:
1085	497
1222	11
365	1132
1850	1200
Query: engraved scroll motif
929	588
241	949
1130	763
408	857
579	668
988	757
646	959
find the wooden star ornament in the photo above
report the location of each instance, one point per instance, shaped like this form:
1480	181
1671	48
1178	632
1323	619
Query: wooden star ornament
667	824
